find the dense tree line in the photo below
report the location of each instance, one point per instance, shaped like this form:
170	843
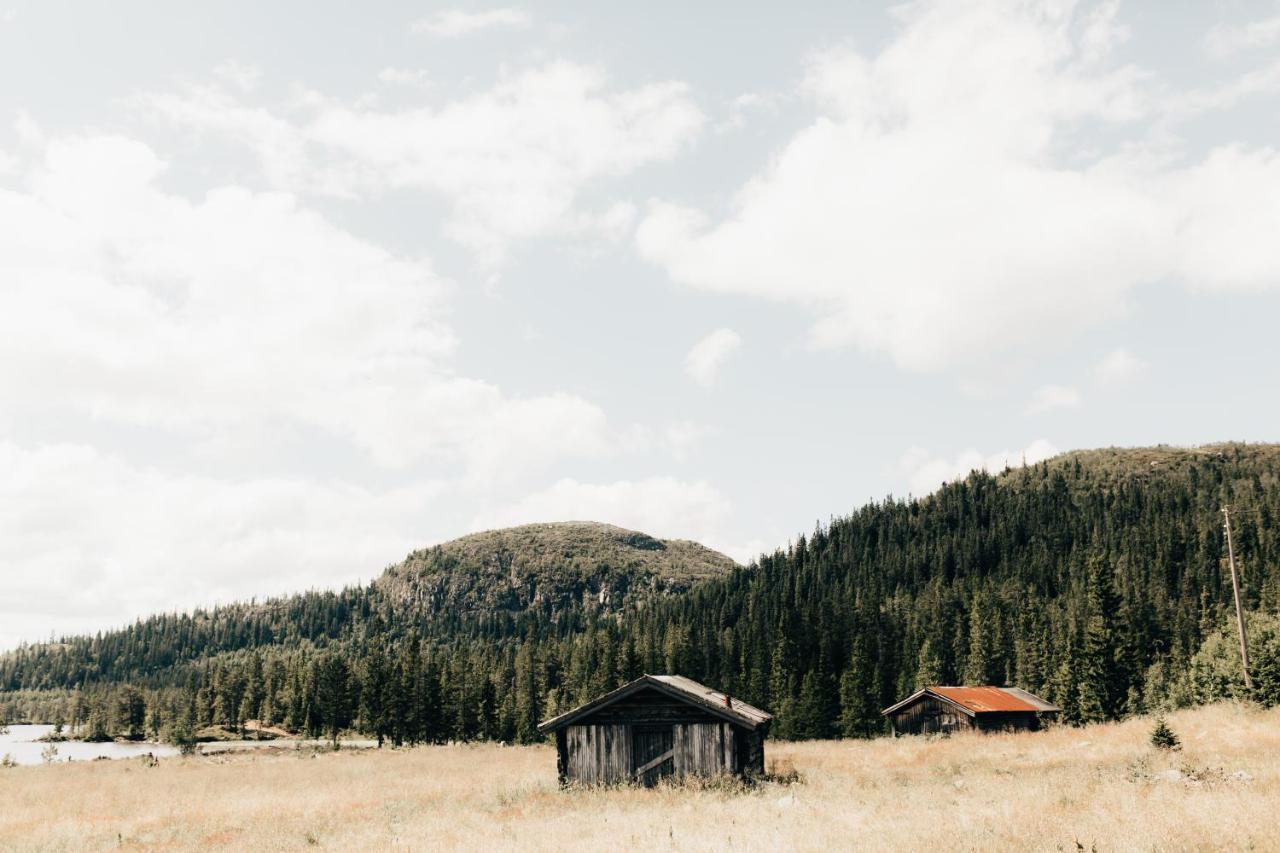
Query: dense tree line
1097	580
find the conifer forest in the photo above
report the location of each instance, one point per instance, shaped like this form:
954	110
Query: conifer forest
1097	579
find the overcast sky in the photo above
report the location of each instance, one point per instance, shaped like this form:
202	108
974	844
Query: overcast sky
290	289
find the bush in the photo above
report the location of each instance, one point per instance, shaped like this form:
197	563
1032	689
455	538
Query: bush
1214	672
183	738
782	772
1163	737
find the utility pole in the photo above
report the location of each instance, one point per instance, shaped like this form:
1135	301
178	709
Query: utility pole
1235	589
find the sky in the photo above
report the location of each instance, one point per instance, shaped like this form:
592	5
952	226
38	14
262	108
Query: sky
288	290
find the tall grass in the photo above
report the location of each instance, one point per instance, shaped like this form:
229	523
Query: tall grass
1101	786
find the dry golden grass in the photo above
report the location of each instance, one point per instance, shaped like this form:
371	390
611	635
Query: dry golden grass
1101	786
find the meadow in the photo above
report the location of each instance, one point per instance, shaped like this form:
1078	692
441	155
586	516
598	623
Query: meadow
1101	787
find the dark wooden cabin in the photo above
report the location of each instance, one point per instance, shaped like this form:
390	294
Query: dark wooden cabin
658	726
951	709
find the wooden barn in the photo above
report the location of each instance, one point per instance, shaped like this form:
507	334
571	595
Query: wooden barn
949	709
658	726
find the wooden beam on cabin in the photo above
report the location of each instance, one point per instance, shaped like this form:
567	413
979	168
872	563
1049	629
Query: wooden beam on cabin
640	771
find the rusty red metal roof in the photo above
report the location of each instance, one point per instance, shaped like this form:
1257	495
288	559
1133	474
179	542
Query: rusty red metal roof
982	700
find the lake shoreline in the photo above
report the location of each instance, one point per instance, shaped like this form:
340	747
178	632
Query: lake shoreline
28	744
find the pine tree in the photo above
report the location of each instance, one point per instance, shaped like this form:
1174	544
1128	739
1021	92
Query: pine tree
333	694
858	717
131	712
1100	681
929	666
375	694
810	717
528	697
980	664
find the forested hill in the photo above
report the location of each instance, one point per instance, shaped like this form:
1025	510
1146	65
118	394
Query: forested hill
538	577
1096	579
549	569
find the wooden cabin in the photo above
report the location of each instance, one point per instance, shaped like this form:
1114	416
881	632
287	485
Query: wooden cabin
951	709
658	726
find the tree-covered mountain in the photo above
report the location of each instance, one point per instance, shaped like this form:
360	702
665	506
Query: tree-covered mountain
1096	579
548	569
538	578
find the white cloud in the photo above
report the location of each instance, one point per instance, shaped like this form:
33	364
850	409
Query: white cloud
1050	397
280	147
925	472
244	77
1226	40
665	507
454	23
1258	82
745	105
89	540
242	310
405	76
945	205
234	321
511	161
705	359
1119	367
28	131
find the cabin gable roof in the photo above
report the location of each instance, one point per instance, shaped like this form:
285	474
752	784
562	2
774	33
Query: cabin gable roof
980	700
677	687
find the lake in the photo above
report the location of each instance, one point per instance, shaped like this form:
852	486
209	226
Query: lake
22	745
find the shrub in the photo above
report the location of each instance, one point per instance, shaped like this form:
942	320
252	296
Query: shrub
183	738
1214	672
782	772
1163	737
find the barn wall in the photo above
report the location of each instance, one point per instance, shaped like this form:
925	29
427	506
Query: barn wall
704	749
751	750
598	754
927	715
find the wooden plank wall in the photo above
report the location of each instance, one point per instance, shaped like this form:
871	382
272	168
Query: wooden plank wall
598	755
650	707
928	714
751	752
704	749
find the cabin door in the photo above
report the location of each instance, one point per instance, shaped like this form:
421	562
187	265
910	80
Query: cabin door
652	753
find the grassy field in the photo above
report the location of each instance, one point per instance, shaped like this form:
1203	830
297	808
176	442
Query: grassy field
1101	787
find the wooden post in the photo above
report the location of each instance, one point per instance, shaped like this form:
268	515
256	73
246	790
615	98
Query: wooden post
1235	589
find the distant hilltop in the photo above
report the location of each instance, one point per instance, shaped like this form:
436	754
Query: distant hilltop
549	568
